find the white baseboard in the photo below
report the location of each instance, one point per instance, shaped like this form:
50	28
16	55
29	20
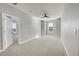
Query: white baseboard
36	37
64	47
2	50
25	41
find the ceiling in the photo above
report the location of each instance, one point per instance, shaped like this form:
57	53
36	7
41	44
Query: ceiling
37	9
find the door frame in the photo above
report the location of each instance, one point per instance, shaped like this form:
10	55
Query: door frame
18	24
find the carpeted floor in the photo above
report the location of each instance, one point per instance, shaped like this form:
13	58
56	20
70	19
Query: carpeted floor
45	46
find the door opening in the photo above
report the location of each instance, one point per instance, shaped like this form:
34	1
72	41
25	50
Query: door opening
9	30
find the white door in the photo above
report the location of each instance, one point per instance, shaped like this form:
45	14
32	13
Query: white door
7	31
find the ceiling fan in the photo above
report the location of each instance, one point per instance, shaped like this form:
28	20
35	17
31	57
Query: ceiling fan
45	15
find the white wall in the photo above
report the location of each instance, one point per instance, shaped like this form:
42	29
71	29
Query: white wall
58	27
69	23
28	28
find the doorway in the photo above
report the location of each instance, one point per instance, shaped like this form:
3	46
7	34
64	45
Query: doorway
9	30
48	27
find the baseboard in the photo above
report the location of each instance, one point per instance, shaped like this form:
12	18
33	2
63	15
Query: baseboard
2	50
64	47
25	41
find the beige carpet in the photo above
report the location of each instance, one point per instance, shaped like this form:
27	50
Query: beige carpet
45	46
